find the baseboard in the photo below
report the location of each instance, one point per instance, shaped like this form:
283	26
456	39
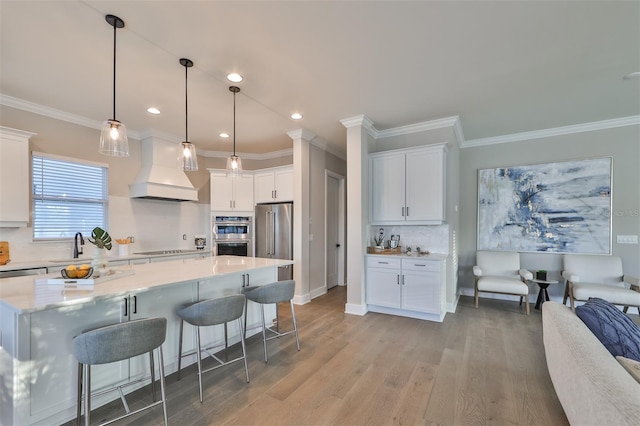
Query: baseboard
355	309
451	307
318	292
301	299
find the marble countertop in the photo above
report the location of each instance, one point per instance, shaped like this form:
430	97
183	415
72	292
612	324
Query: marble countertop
34	293
404	255
32	264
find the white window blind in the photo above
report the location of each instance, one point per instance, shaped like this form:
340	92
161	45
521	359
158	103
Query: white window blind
68	197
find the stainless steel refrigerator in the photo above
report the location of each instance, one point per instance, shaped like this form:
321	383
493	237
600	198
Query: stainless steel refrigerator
274	234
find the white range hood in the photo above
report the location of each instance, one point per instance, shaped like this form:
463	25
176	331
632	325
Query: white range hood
160	178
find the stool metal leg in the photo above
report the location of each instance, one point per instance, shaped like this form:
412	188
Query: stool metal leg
163	392
264	333
246	301
295	325
198	357
244	349
87	393
153	376
79	404
180	347
226	343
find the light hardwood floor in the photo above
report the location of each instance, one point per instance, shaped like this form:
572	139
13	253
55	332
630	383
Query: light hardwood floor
482	366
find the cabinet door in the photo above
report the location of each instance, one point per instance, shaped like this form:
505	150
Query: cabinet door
284	185
14	178
387	187
243	193
421	292
421	285
53	372
162	302
425	186
383	287
264	185
221	192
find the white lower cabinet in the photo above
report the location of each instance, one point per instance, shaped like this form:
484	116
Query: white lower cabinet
412	287
53	368
233	284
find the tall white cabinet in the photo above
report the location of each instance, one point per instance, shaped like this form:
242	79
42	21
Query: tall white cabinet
14	177
408	186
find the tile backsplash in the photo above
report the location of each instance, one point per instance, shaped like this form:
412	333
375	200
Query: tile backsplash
432	238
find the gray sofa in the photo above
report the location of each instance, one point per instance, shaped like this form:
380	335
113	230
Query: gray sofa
593	388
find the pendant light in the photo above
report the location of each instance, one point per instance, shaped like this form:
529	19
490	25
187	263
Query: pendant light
189	160
113	135
234	163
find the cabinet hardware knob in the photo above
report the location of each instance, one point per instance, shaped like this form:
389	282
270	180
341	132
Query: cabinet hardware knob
126	306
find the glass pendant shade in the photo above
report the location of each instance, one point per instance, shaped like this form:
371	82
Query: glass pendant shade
234	166
113	135
113	139
234	163
189	160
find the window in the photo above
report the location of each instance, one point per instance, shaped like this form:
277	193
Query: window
69	196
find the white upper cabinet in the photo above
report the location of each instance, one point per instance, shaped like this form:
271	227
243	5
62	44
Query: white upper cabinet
231	194
14	177
408	186
274	185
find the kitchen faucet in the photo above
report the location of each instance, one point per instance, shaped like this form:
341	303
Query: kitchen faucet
77	252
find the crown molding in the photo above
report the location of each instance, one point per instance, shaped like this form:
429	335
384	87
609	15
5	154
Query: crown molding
301	134
360	120
56	114
327	147
418	127
633	120
249	156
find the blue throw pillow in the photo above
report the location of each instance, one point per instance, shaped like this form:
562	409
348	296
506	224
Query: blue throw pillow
615	330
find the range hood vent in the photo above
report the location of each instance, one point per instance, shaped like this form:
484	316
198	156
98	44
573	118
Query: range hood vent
160	178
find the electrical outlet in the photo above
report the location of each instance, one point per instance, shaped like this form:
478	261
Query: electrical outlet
627	239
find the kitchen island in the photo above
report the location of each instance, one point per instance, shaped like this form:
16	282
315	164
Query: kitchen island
38	321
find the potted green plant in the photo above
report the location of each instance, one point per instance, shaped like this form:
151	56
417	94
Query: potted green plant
541	274
102	240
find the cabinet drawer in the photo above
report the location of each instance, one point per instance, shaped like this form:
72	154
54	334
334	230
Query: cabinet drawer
383	262
420	265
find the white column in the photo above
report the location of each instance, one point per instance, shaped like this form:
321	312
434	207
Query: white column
358	129
301	189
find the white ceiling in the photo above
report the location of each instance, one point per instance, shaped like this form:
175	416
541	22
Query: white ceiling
503	67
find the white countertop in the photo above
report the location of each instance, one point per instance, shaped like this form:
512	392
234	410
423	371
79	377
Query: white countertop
33	293
430	256
32	264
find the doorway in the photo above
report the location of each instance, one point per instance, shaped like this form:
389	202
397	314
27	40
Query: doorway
334	229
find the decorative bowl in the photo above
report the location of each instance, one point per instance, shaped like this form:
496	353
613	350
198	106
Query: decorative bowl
65	274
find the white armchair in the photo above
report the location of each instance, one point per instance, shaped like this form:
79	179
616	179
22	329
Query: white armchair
599	276
500	272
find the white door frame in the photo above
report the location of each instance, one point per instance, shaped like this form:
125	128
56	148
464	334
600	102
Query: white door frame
341	225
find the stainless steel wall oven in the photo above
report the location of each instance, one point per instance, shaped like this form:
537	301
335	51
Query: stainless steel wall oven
232	235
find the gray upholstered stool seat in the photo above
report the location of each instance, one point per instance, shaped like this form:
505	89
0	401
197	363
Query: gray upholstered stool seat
115	343
277	292
208	313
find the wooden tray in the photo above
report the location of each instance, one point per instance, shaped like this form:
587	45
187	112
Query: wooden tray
376	250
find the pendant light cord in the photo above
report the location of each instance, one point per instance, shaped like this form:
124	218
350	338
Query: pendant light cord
234	124
114	71
186	106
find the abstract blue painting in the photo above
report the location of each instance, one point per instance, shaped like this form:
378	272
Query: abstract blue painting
555	207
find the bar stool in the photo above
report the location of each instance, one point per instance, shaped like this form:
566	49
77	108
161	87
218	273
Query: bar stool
114	343
277	292
207	313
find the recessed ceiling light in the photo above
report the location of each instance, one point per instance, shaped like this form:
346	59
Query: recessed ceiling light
224	135
632	75
234	77
296	116
153	110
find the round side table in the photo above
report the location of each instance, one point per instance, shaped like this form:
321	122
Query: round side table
543	294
